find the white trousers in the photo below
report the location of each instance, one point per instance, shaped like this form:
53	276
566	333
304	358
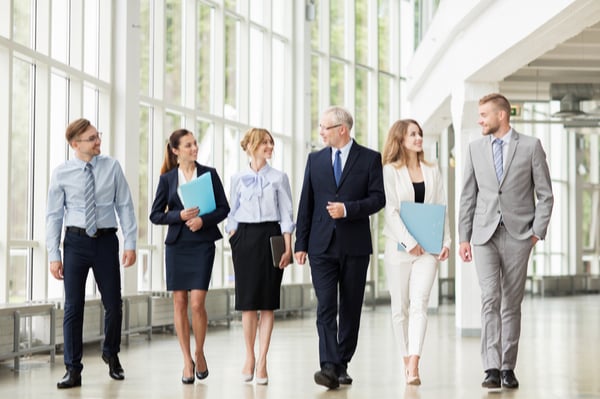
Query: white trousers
409	280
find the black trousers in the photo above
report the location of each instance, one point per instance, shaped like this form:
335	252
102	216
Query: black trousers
102	255
336	275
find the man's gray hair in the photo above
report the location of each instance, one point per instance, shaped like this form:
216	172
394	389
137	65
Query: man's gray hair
341	115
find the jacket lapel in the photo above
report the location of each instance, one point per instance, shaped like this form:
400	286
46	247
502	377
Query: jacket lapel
512	148
352	157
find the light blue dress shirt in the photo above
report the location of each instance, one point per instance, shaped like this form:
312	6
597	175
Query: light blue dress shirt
66	202
263	196
345	151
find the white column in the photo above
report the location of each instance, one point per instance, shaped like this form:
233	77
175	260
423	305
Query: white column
464	107
125	123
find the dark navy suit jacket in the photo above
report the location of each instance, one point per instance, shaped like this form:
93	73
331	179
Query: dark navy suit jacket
361	190
167	206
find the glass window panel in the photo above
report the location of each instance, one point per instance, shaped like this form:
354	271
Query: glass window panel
361	117
206	142
338	79
281	21
173	49
173	121
314	103
256	78
145	197
384	32
314	28
18	276
145	52
232	4
20	149
278	81
232	32
144	270
362	31
60	30
22	17
205	57
59	99
233	154
337	20
257	11
384	107
589	213
5	18
90	37
90	105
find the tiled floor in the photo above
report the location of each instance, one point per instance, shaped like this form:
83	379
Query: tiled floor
559	357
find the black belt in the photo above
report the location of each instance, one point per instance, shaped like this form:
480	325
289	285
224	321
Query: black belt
99	232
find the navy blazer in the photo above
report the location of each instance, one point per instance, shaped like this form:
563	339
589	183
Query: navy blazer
361	190
167	206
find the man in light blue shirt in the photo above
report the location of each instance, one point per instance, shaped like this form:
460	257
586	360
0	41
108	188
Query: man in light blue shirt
85	192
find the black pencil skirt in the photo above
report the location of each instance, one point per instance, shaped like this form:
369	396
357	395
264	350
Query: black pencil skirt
257	282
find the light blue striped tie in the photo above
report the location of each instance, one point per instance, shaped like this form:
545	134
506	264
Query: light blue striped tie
90	201
498	161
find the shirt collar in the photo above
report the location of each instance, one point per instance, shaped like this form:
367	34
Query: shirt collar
506	139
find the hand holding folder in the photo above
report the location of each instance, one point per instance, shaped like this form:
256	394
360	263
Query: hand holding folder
199	193
425	222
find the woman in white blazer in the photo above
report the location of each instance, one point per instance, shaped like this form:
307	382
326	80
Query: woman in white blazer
410	270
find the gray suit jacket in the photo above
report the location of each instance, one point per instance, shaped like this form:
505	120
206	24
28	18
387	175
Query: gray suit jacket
484	200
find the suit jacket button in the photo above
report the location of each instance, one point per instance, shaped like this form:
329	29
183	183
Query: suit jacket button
500	192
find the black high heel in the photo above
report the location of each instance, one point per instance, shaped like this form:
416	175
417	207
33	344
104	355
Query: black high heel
202	374
189	380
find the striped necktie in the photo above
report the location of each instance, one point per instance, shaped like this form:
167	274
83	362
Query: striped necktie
90	201
498	161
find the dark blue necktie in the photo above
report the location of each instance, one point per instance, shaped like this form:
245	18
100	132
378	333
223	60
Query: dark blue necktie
337	167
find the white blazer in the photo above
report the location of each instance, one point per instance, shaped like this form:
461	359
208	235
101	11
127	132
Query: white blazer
398	187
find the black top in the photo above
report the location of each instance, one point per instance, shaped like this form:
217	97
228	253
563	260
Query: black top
419	191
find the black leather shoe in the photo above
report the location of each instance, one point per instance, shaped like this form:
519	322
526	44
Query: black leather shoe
71	379
115	370
202	374
327	377
509	380
344	378
189	380
492	379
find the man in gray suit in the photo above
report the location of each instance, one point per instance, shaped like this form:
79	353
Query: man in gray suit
505	209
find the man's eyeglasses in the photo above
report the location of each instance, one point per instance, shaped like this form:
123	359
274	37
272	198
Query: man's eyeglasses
329	127
92	139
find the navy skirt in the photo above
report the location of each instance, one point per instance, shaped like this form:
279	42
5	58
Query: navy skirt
189	262
257	282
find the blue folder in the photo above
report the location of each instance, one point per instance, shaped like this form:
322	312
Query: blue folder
199	192
425	222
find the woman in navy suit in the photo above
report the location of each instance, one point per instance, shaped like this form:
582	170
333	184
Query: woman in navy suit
409	269
190	245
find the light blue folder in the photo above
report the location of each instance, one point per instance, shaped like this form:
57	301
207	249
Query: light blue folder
199	192
425	222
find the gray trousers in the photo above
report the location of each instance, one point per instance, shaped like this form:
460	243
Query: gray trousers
501	265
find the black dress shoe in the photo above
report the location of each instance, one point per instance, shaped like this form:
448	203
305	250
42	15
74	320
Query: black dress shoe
115	370
344	378
189	380
509	380
71	379
202	374
492	379
327	377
